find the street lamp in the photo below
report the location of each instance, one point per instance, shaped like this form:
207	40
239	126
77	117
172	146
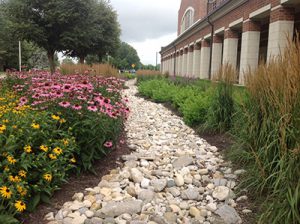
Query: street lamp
20	57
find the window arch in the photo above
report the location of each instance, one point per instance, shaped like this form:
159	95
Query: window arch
187	19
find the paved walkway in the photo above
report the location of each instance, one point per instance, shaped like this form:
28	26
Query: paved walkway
172	176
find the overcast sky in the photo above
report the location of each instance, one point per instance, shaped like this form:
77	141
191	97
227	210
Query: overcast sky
147	25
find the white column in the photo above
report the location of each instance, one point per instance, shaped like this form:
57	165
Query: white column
230	48
196	61
204	60
279	32
190	62
184	62
177	64
172	66
249	53
180	65
217	49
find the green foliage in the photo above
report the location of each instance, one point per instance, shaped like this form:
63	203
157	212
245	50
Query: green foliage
194	109
192	101
76	27
125	56
97	34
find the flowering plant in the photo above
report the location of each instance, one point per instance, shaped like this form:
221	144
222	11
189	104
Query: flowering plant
91	105
35	155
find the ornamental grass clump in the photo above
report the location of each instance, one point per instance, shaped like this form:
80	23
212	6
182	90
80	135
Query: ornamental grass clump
35	156
268	128
221	111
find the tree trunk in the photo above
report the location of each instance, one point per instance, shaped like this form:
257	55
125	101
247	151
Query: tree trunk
100	58
81	59
51	61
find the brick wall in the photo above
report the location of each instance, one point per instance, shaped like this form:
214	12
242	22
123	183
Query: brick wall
199	6
242	11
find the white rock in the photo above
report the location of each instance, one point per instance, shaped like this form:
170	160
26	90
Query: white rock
179	181
203	171
145	183
50	216
136	175
78	196
221	193
246	211
89	214
211	207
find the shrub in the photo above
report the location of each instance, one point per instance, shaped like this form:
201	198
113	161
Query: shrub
194	109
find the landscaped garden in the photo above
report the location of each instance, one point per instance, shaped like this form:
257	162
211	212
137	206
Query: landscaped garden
52	125
262	119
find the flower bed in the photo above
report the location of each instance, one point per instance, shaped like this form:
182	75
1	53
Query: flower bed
49	125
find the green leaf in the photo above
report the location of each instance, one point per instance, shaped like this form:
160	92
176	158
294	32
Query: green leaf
8	219
34	202
45	198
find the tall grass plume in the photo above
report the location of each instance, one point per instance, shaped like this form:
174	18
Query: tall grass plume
268	128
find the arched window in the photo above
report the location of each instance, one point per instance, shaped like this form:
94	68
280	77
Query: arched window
187	19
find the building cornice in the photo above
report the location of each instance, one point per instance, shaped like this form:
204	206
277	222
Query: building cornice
223	9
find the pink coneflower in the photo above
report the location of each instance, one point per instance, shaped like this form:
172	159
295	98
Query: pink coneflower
107	101
108	144
64	104
23	101
77	107
92	108
59	94
81	98
67	88
36	96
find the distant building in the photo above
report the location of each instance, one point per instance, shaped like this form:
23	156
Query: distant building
238	32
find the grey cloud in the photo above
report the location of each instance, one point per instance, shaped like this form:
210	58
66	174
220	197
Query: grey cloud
145	19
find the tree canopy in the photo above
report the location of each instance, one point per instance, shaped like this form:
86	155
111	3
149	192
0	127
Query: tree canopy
125	56
77	27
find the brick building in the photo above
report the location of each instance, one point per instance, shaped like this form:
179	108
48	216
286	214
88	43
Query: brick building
238	32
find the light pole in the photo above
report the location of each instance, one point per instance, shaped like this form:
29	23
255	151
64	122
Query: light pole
20	57
156	60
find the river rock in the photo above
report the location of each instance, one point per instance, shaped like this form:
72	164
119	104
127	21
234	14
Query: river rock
114	209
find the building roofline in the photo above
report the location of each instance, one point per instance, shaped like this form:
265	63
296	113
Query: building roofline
226	6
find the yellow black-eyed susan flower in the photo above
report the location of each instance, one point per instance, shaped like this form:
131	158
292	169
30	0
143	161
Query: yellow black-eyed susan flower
35	126
22	173
57	151
27	149
5	192
11	160
55	117
44	148
20	206
52	156
47	177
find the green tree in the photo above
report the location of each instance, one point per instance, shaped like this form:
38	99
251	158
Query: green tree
47	23
98	34
126	56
